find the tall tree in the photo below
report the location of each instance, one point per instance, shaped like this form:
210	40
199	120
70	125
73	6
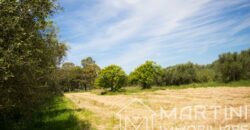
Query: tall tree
90	72
29	52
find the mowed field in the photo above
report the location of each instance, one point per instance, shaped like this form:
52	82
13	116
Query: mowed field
232	108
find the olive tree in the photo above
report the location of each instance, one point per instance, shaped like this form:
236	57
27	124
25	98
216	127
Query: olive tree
112	77
229	67
180	74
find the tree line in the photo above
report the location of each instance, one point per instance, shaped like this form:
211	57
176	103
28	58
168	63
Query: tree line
72	77
228	67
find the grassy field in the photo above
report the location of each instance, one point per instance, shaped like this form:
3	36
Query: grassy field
98	109
104	108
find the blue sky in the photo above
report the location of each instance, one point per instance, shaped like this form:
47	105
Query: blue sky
129	32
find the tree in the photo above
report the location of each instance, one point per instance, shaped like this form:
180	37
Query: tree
244	58
87	62
180	74
147	74
68	65
132	79
229	67
233	66
90	72
73	77
30	53
205	74
112	77
67	76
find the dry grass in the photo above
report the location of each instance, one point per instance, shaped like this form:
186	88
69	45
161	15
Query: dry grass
105	107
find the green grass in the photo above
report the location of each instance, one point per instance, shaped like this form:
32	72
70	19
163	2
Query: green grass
59	113
240	83
86	116
137	89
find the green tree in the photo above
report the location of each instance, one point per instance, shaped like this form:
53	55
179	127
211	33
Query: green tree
112	77
67	76
229	67
205	74
180	74
244	58
68	65
87	62
147	74
73	77
90	72
29	53
132	79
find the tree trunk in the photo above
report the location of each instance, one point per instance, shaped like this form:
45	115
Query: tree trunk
85	87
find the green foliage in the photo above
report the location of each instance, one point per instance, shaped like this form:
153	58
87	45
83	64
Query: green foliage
68	65
188	73
180	74
68	76
229	67
112	77
146	74
205	74
132	79
233	66
90	72
29	54
57	114
73	77
244	58
87	62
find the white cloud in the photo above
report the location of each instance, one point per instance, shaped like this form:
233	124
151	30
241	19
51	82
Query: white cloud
146	29
146	18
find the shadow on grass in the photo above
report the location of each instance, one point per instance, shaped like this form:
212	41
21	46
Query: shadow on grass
69	123
58	113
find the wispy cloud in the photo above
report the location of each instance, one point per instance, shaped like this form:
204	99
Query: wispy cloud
128	32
